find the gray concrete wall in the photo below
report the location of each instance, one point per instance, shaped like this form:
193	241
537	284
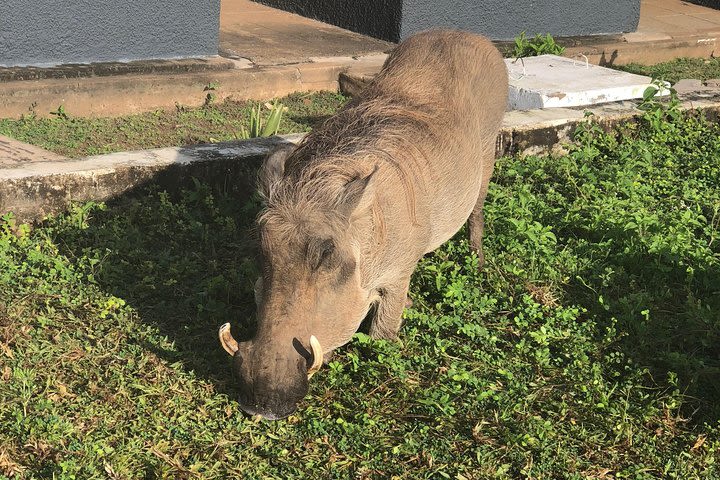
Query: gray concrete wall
503	20
51	32
498	19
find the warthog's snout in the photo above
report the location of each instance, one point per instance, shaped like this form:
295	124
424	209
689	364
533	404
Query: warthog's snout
272	384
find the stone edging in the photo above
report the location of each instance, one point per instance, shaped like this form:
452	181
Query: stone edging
33	189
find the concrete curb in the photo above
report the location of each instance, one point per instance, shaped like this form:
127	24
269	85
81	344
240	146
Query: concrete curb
647	49
134	93
35	189
534	132
35	186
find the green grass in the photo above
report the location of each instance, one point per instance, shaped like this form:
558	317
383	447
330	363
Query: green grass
534	46
79	136
588	347
699	68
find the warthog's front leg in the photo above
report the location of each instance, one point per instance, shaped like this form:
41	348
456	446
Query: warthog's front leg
388	315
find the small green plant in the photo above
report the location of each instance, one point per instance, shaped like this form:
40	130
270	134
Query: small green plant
650	100
270	127
661	115
539	45
61	113
210	97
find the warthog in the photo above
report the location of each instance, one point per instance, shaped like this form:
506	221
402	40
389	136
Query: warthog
351	210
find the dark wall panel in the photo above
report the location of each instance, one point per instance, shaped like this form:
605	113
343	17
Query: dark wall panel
375	18
503	20
394	20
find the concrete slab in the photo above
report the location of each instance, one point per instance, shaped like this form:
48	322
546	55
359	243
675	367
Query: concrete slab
551	81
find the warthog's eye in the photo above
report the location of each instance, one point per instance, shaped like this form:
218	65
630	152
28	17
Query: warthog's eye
321	254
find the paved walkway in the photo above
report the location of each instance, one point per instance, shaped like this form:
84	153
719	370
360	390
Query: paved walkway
677	19
268	36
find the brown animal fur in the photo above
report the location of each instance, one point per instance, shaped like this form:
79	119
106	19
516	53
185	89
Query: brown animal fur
352	209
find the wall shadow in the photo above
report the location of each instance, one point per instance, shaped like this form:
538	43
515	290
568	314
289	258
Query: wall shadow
181	251
666	305
313	121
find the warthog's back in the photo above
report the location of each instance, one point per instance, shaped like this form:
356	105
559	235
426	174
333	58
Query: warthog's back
460	81
428	122
460	76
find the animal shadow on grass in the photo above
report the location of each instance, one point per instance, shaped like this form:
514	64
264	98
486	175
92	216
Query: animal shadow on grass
668	312
313	121
185	262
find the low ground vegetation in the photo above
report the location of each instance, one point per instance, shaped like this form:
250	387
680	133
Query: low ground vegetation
698	68
533	46
588	346
73	136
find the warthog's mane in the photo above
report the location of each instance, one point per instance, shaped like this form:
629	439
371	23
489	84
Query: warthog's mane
377	133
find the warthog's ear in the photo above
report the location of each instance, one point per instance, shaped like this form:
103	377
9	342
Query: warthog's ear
272	170
359	193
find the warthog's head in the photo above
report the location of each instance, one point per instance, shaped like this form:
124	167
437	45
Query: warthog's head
310	297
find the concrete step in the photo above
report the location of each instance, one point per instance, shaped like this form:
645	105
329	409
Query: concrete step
103	96
35	183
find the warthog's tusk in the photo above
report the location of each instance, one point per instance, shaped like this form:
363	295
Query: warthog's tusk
317	355
227	340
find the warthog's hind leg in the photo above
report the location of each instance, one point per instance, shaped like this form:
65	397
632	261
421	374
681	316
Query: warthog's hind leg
388	316
476	224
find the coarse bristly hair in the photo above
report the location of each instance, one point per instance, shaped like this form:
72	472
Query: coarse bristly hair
373	133
350	210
